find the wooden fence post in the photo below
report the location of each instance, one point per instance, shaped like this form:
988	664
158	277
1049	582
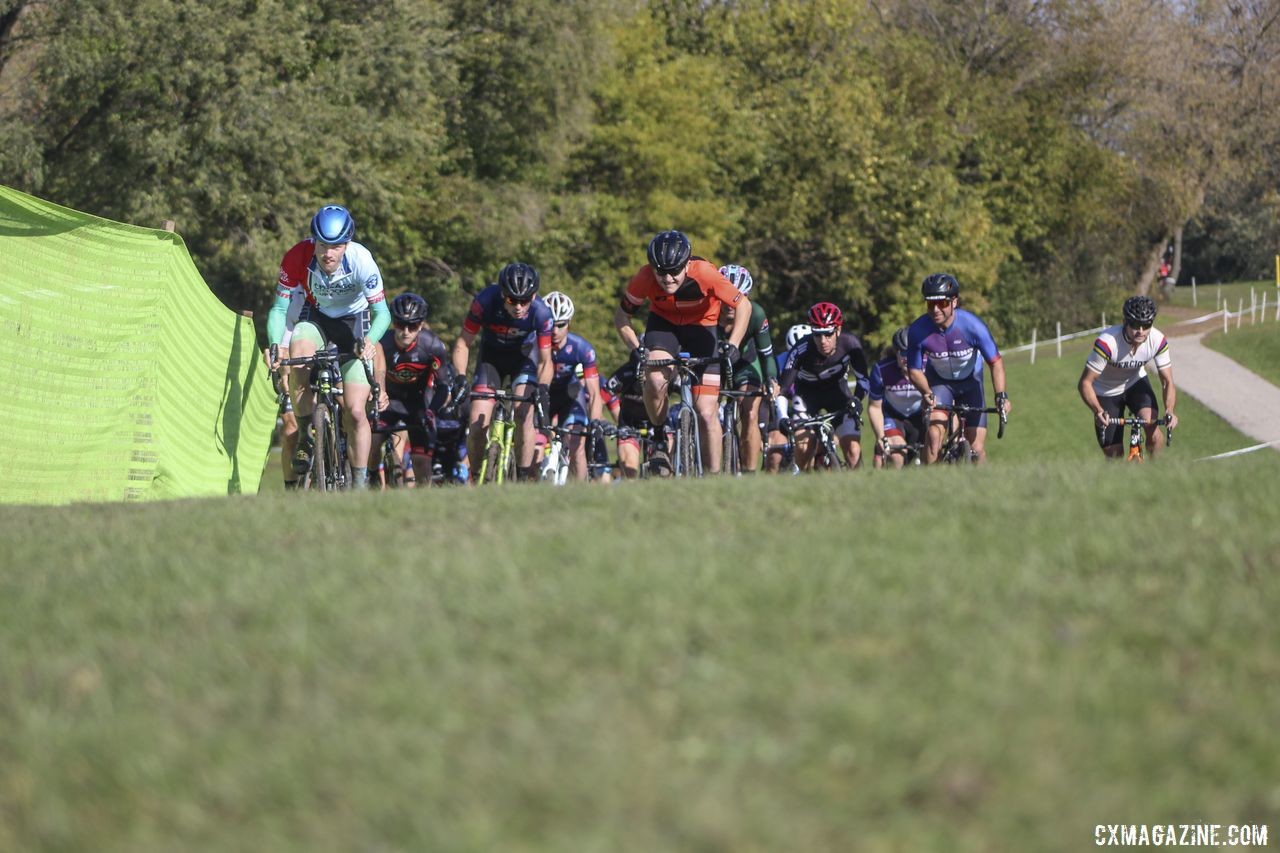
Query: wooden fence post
1033	345
1059	339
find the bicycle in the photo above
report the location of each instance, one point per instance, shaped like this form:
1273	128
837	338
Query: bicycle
499	461
329	470
732	443
644	438
827	456
556	462
1136	429
688	441
955	445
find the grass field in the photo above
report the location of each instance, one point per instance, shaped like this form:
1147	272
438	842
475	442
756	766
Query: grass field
992	659
1256	347
1207	295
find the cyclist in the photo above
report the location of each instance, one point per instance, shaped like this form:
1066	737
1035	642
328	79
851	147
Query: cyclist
575	387
777	440
624	394
755	361
413	355
684	293
512	322
449	452
943	349
894	406
816	375
1115	377
344	308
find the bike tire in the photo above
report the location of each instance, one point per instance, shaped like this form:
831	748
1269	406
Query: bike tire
835	461
392	466
492	463
321	475
730	458
687	437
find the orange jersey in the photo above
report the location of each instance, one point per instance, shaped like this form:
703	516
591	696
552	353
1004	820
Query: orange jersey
696	303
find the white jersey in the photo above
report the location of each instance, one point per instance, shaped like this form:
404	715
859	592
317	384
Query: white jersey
1119	365
352	287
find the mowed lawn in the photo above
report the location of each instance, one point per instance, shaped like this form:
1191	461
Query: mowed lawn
946	659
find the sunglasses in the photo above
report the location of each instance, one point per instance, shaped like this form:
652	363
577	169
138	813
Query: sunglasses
408	327
511	301
1133	325
823	333
941	303
673	273
563	325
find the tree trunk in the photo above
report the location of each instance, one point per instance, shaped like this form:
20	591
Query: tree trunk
1151	269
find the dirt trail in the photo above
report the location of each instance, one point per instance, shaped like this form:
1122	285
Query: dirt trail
1244	399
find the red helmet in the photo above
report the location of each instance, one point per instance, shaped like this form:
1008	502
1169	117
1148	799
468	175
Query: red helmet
824	315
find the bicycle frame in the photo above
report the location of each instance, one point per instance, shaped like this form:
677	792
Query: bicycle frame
329	461
499	461
827	455
731	463
955	444
688	444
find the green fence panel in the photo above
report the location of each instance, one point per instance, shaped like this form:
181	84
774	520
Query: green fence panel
125	377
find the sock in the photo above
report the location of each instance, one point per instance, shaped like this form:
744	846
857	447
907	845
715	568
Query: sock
359	476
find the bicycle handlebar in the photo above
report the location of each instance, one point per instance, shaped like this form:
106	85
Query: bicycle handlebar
1143	422
964	408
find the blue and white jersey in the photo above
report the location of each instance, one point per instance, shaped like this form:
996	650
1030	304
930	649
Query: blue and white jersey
951	353
499	330
354	286
574	362
889	383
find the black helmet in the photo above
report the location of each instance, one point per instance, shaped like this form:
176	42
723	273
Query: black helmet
1139	309
940	285
900	340
669	252
518	281
409	308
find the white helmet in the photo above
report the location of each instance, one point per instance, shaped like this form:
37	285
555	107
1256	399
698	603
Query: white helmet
561	306
795	333
739	277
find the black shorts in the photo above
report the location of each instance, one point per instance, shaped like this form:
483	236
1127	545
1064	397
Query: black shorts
1138	396
495	366
418	421
830	396
340	332
696	341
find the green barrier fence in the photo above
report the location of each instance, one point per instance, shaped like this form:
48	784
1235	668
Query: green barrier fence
125	377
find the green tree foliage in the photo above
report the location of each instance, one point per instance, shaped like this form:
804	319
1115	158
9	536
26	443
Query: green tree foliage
842	150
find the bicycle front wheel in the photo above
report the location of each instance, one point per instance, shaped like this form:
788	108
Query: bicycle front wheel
323	466
688	460
730	463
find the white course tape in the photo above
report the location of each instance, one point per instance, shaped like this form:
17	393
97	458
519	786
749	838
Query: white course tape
1239	452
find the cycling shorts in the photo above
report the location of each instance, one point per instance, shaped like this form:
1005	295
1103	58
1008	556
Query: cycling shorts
966	391
418	421
338	332
567	410
697	341
830	396
497	364
1137	397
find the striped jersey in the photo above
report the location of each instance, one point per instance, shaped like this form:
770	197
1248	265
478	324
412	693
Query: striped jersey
1120	365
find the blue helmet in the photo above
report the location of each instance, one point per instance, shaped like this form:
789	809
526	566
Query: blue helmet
333	224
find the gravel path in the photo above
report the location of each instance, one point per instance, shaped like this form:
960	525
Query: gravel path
1248	402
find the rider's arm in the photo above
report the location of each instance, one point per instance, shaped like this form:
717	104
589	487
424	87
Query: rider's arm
546	367
622	322
594	400
998	383
380	322
462	352
875	413
741	320
764	352
277	317
918	379
1170	394
1090	395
